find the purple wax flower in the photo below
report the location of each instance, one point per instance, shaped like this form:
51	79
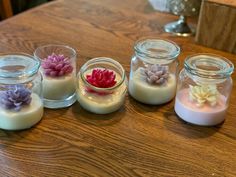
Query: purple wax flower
56	65
14	97
157	74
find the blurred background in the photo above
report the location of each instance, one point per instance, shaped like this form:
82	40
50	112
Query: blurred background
9	8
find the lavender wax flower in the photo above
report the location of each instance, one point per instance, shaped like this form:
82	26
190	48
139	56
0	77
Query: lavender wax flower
153	84
56	65
14	97
157	74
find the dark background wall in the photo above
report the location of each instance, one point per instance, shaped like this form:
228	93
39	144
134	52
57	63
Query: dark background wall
22	5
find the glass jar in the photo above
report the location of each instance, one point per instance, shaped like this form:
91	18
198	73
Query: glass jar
204	88
21	106
153	71
101	85
58	68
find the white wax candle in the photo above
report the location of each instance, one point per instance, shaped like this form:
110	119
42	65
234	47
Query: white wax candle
58	88
28	116
147	93
206	115
101	104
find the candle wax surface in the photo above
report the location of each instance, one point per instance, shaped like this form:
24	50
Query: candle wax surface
101	104
205	115
58	88
28	116
147	93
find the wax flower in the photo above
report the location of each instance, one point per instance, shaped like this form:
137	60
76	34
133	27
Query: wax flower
14	97
157	74
203	94
56	65
101	78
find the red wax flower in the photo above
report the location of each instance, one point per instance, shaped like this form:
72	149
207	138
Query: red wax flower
56	65
102	78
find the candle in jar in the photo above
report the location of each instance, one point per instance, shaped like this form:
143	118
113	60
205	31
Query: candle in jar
58	77
20	109
207	109
151	93
58	88
101	102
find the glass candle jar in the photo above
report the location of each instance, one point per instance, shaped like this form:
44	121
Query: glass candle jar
153	71
101	85
58	68
204	88
21	106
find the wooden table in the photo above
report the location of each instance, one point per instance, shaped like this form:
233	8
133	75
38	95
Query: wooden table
138	140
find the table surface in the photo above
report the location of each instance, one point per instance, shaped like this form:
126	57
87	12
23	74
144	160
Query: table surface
138	140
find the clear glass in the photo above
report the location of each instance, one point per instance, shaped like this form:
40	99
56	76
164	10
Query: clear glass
58	86
153	71
204	88
21	104
101	100
183	8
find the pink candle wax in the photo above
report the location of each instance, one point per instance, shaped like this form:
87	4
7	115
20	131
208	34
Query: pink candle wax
205	115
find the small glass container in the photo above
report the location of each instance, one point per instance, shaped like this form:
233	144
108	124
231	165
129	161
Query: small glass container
58	68
21	104
204	89
153	71
101	85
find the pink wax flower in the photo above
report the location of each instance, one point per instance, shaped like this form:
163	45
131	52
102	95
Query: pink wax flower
56	65
101	78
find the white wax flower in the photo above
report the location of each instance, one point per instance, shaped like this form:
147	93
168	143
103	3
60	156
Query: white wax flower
203	94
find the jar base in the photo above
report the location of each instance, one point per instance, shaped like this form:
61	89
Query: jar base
55	104
150	94
26	118
100	112
102	105
204	116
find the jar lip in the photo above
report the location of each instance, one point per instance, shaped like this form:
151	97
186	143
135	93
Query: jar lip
28	72
172	54
222	67
102	59
54	45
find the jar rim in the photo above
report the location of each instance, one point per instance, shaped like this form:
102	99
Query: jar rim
102	59
208	65
28	72
140	49
54	45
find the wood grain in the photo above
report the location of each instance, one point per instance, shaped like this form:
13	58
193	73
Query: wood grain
217	25
224	2
138	140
